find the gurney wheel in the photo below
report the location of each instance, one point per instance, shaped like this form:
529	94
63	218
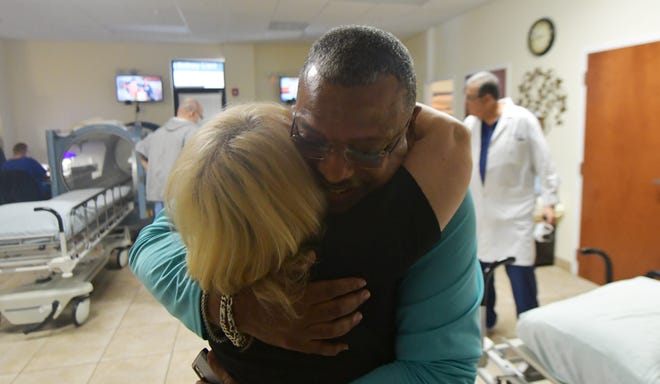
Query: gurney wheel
122	258
80	310
118	258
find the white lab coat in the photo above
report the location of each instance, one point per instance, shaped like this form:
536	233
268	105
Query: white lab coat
505	202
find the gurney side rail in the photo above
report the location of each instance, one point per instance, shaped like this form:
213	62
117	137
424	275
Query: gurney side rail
90	221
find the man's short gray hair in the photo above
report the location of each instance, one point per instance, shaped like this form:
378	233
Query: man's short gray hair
189	105
355	55
486	82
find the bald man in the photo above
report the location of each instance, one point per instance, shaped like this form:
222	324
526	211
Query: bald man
160	149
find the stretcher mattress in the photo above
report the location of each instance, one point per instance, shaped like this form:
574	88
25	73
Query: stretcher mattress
608	335
19	220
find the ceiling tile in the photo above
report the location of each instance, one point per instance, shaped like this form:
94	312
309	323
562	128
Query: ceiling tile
288	10
219	21
402	2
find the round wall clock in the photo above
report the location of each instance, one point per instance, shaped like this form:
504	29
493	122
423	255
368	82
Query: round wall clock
540	37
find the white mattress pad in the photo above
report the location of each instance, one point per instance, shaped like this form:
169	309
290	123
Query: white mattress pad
19	220
608	335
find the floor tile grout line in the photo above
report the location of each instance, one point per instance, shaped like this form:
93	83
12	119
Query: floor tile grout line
169	363
137	289
43	345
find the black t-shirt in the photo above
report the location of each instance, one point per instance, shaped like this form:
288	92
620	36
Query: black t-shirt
378	240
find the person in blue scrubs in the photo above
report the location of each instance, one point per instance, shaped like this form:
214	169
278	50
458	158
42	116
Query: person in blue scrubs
21	161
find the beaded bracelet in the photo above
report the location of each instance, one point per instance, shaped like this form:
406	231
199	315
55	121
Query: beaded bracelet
228	325
215	333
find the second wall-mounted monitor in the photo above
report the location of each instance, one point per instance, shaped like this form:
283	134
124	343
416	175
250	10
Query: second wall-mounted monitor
139	88
198	74
288	89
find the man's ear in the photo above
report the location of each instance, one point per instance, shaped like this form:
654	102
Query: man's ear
410	134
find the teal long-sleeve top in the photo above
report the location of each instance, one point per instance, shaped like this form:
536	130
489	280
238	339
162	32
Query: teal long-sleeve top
438	337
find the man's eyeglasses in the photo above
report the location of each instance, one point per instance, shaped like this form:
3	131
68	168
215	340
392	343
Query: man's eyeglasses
318	149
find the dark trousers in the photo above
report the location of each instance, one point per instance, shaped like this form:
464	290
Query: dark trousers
523	285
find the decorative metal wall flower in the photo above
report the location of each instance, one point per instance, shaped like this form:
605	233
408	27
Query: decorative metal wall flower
541	93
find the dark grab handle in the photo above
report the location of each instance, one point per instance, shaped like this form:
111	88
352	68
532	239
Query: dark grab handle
606	260
488	274
60	223
490	269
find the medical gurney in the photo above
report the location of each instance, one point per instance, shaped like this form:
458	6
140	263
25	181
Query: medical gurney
608	335
69	238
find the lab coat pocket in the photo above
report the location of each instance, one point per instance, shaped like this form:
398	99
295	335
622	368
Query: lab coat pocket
509	174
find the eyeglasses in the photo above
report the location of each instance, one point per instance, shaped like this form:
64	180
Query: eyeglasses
319	149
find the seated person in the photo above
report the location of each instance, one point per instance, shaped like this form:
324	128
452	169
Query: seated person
3	159
18	186
21	161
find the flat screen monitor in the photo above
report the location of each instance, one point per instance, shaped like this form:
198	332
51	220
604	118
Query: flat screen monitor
204	74
139	88
288	89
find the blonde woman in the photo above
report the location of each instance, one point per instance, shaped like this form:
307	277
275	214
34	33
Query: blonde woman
244	201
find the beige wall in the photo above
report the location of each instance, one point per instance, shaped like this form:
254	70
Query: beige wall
5	138
417	45
494	35
55	85
274	60
239	72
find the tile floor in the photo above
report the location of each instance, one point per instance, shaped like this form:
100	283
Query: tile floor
129	338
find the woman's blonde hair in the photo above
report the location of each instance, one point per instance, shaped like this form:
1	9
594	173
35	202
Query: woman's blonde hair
243	200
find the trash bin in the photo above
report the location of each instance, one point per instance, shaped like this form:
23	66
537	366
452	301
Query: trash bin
545	252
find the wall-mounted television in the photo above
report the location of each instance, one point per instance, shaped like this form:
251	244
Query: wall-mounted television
204	74
288	89
141	88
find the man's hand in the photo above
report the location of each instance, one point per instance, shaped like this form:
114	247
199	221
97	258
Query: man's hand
328	310
549	214
144	162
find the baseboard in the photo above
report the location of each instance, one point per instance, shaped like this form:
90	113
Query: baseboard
563	264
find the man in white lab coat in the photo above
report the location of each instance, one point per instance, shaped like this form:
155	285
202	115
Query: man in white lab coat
509	151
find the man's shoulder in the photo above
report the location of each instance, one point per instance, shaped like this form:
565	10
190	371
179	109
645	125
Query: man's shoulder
177	126
9	164
21	162
520	112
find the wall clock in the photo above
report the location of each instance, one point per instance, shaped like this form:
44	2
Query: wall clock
540	37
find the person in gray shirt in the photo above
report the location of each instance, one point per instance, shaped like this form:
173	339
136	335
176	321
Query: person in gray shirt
159	150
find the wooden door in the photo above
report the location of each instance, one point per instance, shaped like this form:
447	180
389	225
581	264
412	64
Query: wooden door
621	169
